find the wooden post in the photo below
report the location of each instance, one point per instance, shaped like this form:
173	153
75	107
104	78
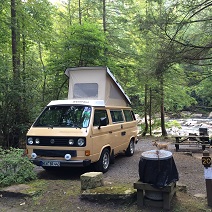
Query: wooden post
206	162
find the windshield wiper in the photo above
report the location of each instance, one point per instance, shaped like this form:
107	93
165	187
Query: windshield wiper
77	125
50	126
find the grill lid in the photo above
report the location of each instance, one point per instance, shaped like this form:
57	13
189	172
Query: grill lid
156	155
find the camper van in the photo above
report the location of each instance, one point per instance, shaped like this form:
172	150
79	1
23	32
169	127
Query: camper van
92	126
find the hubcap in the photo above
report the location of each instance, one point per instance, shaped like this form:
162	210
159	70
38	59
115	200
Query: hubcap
106	160
131	147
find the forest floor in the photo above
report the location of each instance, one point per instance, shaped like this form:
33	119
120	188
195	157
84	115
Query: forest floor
61	190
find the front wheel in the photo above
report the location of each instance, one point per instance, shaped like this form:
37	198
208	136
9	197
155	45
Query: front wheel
102	165
130	149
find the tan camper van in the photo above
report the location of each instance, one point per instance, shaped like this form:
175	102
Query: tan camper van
93	125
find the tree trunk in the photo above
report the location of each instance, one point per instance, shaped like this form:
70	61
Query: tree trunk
44	71
104	15
80	13
163	128
14	137
150	111
145	111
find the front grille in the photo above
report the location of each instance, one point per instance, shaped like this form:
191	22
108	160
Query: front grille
54	153
58	141
55	141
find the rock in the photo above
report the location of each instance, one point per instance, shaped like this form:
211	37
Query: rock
190	122
181	187
16	188
196	115
185	113
91	180
188	153
203	196
210	115
117	194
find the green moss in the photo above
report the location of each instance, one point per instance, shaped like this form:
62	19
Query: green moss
35	187
116	189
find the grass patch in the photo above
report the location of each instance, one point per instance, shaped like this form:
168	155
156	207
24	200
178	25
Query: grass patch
184	202
36	187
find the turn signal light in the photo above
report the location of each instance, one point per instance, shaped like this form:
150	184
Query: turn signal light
26	152
87	152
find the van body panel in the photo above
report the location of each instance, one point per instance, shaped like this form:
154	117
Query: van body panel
119	140
55	131
115	136
100	138
80	152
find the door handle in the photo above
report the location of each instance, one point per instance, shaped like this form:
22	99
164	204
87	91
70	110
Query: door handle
110	132
123	133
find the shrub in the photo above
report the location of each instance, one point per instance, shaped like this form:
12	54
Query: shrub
173	123
15	168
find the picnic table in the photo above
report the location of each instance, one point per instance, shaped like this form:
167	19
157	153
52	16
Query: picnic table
195	140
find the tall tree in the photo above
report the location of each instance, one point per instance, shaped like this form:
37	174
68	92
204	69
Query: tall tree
17	84
169	27
15	35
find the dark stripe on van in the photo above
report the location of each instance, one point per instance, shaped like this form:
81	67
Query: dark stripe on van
54	153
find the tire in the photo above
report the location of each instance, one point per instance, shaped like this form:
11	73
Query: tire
102	165
130	149
112	157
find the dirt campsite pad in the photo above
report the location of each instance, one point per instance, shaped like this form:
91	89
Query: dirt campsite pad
61	190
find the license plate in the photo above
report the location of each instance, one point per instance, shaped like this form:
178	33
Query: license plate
50	163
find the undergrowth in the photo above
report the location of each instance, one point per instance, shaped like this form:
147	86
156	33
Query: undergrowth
15	168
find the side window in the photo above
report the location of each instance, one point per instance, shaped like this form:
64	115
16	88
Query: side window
98	114
129	115
116	116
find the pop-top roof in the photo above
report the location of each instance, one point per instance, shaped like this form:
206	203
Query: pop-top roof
77	102
95	83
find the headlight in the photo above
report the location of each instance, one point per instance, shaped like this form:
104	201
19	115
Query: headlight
37	141
30	140
71	141
81	142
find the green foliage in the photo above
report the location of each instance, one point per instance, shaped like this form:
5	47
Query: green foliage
15	168
173	123
203	92
141	42
84	45
156	123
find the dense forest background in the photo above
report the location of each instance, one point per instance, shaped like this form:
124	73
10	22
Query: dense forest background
159	50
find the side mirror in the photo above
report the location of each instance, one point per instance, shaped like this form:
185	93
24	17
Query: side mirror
102	122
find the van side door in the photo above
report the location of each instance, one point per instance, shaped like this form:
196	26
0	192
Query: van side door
118	130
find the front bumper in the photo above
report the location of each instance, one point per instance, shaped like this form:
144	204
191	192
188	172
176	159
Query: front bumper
63	163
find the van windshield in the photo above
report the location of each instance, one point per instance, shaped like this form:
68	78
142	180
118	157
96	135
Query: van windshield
64	116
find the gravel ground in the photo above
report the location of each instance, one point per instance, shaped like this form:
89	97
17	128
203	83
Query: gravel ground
56	196
187	160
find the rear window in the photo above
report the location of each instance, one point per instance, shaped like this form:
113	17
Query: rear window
129	116
85	90
116	116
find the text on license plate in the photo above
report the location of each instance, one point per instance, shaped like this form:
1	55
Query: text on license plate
50	163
